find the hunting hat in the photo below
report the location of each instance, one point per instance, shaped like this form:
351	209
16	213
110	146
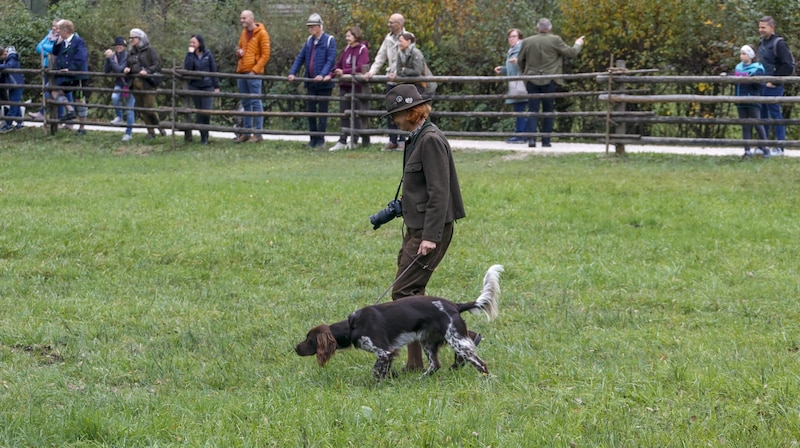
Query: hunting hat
314	19
402	97
119	40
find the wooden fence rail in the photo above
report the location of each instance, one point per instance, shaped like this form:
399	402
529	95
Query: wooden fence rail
604	102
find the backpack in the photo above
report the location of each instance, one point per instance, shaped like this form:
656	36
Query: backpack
775	52
431	86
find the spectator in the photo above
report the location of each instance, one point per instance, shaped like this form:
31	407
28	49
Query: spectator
511	68
431	198
543	54
774	54
387	54
10	60
318	55
200	59
116	61
253	52
71	56
45	49
748	67
354	57
410	61
144	64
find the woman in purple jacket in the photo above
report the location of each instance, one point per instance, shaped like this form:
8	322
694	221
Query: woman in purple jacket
354	57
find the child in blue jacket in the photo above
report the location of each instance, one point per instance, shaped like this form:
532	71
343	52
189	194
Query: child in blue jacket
749	67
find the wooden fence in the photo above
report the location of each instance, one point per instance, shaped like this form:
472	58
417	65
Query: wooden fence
609	103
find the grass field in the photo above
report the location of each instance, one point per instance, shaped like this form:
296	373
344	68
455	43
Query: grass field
152	296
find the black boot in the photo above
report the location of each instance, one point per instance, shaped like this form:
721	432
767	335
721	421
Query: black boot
204	137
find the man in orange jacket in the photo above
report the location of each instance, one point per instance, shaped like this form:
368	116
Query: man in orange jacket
253	55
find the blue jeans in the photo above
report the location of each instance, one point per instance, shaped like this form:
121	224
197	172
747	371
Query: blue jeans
14	95
251	86
773	111
118	99
318	124
522	122
548	105
61	110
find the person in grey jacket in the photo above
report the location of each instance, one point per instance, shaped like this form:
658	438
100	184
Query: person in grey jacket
143	61
200	59
410	61
511	68
543	54
431	200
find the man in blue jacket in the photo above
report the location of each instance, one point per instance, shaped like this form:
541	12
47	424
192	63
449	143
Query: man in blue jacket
71	56
319	57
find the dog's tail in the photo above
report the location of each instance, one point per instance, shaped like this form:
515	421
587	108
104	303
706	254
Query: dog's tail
487	301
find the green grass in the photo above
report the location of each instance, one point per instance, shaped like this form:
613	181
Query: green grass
152	296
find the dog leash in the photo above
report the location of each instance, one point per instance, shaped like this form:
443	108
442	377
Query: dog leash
414	260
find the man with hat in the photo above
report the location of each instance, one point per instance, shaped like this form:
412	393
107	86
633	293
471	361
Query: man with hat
431	198
116	61
319	57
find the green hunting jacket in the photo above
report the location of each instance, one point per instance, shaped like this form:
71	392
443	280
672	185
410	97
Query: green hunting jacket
543	54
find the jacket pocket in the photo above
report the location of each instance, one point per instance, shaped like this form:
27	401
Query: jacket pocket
413	167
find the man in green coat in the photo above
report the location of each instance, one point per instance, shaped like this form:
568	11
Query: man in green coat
543	54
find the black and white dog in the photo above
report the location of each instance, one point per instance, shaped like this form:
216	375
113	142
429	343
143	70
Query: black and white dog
385	328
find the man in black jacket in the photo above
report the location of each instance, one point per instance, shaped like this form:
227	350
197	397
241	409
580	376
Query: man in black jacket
774	54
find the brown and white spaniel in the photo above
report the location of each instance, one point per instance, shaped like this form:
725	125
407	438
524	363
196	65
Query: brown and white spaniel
385	328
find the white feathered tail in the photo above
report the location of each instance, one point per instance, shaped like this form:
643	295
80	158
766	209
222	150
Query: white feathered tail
487	302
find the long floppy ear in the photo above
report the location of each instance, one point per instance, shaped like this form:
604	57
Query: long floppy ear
326	345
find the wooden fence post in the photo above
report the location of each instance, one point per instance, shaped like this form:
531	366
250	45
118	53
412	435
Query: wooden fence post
619	128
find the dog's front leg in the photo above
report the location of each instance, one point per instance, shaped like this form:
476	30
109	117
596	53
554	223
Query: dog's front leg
432	353
383	365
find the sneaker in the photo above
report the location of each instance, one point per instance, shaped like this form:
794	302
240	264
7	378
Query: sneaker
765	153
36	115
776	152
516	140
80	132
532	143
66	126
117	120
255	138
6	128
241	138
339	146
391	147
747	153
126	138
